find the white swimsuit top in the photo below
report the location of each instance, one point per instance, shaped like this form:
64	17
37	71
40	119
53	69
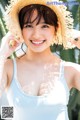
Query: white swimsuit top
47	107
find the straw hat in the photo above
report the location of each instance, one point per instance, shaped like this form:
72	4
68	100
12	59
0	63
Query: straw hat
65	20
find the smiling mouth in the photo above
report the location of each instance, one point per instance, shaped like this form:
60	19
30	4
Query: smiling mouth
37	42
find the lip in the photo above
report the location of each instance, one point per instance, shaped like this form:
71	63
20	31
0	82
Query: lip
37	42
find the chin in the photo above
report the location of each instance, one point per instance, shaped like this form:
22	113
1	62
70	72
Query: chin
38	50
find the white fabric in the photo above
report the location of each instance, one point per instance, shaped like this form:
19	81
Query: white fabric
48	107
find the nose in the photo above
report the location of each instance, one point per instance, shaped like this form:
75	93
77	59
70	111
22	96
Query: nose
36	33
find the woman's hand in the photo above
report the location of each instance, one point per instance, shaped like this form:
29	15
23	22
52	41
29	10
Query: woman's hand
76	42
9	44
76	36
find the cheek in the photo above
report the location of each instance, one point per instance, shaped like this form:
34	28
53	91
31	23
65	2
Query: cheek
25	34
50	35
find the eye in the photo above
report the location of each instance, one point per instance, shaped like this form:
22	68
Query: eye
28	26
45	26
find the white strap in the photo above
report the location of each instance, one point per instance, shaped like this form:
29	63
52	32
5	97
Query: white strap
14	68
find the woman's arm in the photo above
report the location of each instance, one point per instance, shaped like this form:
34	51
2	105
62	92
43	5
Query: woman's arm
3	77
76	82
9	44
76	78
72	74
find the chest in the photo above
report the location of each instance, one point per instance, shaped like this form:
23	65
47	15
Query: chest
35	83
31	106
48	93
37	80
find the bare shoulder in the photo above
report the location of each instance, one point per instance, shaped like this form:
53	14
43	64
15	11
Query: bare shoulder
72	74
72	66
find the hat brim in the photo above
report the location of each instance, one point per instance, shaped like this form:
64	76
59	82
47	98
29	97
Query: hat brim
65	24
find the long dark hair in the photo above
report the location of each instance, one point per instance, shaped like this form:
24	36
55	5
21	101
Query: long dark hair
43	11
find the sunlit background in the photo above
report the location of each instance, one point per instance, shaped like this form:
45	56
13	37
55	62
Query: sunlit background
72	55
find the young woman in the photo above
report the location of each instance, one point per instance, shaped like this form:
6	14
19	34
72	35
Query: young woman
38	83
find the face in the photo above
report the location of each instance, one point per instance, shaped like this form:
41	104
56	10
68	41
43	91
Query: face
38	37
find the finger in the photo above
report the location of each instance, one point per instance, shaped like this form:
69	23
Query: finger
13	43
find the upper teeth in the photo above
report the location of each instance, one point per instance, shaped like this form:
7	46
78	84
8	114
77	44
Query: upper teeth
37	42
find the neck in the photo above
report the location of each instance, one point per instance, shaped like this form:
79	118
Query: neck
39	57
